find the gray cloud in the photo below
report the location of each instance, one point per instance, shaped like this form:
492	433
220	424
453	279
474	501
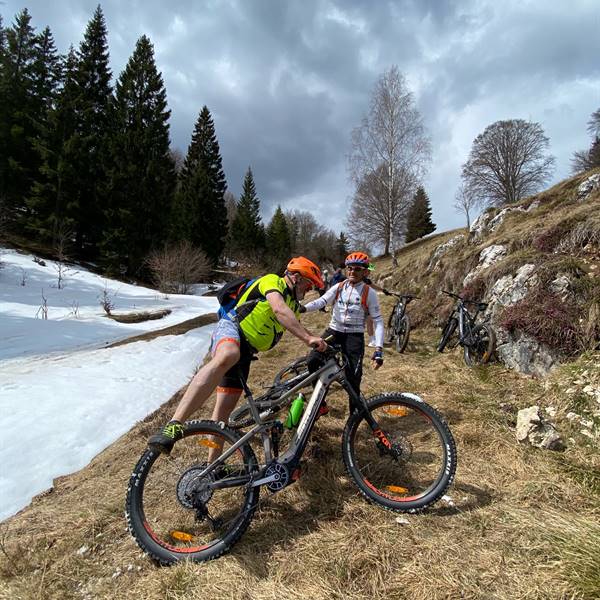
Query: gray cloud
286	82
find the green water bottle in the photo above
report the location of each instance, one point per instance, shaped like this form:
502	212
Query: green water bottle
296	409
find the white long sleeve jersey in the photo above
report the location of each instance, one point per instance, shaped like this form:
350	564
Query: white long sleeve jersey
348	314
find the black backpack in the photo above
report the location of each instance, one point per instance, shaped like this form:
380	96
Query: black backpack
230	293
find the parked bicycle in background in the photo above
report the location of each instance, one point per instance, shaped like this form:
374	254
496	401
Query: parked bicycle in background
477	339
398	327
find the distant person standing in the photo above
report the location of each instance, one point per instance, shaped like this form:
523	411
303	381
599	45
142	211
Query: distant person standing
337	277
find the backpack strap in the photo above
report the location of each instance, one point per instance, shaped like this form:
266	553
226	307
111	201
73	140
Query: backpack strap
363	298
338	291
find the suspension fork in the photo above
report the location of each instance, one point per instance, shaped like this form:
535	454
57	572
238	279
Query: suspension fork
360	404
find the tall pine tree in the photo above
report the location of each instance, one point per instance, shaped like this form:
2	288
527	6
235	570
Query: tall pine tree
199	213
248	234
278	238
17	107
43	218
141	175
419	221
92	130
55	196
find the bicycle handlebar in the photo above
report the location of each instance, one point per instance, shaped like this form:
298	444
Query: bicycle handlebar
407	296
480	305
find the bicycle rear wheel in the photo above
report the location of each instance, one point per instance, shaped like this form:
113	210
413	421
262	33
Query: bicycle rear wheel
390	330
481	347
295	368
420	465
403	333
172	512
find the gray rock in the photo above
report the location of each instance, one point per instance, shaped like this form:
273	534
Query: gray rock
442	249
510	289
521	352
499	218
562	286
479	227
518	350
533	428
587	186
487	257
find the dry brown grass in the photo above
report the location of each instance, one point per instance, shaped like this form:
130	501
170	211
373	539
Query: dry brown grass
319	538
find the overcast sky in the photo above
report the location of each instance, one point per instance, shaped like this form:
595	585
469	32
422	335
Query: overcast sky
287	81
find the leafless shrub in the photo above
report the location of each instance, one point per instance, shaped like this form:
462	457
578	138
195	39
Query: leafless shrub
42	311
74	309
582	235
61	245
23	277
175	268
106	302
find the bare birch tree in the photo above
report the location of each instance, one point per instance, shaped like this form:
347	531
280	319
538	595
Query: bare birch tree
389	154
465	201
508	161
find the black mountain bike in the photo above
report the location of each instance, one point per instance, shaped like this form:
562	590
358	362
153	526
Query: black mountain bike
398	450
477	339
398	327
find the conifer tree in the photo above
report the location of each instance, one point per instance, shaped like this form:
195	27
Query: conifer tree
89	142
419	221
248	234
141	173
54	196
341	248
16	112
47	76
278	237
199	213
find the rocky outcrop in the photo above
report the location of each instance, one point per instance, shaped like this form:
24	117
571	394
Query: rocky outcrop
587	186
512	288
478	227
518	350
442	249
534	429
487	257
499	218
521	352
488	221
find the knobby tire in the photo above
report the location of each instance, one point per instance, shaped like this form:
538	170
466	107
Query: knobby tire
427	458
160	510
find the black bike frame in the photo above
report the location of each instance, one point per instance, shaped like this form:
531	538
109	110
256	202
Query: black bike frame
466	321
331	371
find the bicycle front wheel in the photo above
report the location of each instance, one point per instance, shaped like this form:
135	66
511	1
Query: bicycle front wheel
403	334
449	329
174	514
418	467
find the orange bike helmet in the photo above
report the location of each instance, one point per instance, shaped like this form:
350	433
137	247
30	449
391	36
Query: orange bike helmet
358	258
306	268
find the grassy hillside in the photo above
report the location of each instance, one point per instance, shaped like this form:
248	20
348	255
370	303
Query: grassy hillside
558	234
518	522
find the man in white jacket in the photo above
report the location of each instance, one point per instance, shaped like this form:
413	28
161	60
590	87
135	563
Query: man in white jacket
353	300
